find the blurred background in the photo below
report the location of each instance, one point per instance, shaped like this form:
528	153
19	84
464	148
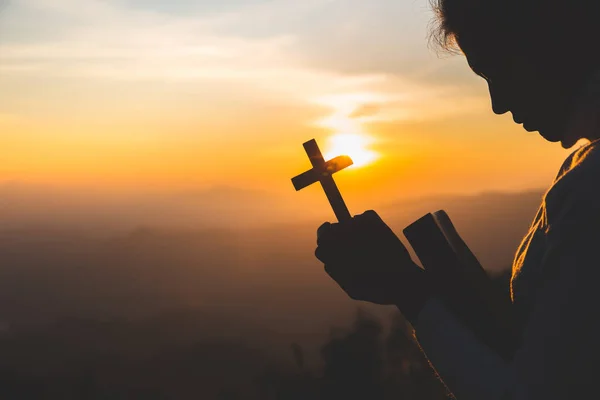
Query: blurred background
151	243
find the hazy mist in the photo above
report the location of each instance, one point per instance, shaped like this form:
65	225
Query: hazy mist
137	275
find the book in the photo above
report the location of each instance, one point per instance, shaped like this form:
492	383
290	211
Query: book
462	283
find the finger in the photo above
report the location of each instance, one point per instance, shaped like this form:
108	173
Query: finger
368	218
327	254
323	232
331	234
371	214
321	254
370	221
368	215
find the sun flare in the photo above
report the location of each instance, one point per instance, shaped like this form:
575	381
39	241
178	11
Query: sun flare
353	145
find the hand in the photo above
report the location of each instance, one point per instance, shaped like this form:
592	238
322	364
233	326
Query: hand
370	263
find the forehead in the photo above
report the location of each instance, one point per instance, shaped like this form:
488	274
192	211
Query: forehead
487	58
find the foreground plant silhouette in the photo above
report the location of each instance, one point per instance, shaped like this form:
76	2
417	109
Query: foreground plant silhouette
364	362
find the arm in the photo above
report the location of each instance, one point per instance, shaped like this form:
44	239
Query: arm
459	281
560	343
468	368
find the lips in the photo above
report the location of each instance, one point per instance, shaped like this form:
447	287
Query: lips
527	126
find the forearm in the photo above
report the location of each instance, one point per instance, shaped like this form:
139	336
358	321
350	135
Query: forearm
470	369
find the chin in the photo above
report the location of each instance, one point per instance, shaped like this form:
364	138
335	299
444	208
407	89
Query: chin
555	132
550	135
567	144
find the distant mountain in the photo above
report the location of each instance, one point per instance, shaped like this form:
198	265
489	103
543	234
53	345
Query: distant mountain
48	272
104	211
493	224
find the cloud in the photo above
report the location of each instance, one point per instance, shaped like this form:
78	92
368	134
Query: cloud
111	42
179	7
366	110
282	48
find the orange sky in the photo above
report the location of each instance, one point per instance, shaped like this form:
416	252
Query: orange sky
161	95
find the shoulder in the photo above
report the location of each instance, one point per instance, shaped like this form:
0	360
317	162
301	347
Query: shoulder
582	162
573	202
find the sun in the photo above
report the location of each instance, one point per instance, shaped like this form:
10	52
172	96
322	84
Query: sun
353	145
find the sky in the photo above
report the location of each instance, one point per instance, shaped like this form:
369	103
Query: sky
173	95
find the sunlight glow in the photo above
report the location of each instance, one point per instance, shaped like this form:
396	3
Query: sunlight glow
349	112
353	145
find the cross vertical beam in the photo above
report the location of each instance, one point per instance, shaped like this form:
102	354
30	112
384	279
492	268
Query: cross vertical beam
322	172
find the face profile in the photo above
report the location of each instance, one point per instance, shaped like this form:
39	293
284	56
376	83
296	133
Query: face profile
535	56
537	102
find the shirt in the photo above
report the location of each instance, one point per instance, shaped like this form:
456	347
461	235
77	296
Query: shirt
555	290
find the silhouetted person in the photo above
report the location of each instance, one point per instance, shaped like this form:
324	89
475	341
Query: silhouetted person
541	62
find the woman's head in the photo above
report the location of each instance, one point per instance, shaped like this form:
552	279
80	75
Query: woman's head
535	54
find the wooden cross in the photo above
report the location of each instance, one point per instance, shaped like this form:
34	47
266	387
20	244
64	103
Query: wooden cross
322	172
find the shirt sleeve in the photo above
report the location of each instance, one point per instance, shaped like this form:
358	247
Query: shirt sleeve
560	350
468	368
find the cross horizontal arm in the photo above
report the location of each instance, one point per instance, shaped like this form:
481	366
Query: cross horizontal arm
306	179
314	175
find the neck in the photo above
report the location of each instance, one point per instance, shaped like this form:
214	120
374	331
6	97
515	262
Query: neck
585	122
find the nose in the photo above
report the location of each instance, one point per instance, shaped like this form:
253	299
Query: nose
499	99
